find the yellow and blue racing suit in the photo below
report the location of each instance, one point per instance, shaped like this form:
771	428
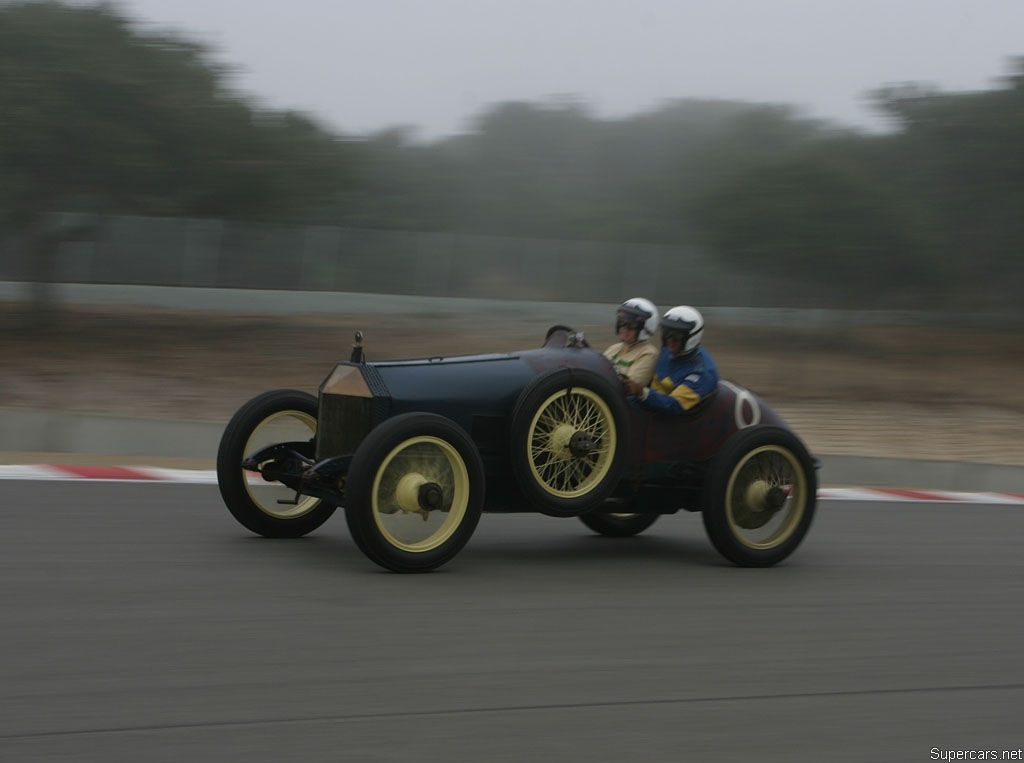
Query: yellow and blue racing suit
680	382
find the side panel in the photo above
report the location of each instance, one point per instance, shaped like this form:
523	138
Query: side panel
457	389
696	436
477	392
670	455
462	388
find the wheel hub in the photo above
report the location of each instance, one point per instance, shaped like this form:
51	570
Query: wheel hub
582	444
761	501
760	496
775	499
415	494
561	438
431	497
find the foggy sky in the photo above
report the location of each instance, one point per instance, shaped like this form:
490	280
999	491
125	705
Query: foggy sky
363	65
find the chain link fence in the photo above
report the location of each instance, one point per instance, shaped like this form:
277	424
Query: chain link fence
215	253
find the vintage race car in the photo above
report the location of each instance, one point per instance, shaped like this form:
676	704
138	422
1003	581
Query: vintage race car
415	450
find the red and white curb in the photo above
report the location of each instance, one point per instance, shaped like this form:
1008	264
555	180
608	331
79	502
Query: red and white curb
209	477
909	496
107	473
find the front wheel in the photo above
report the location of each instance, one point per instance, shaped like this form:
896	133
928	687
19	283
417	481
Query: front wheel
760	496
415	492
269	508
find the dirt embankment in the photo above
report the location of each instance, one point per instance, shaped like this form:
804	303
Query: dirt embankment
927	393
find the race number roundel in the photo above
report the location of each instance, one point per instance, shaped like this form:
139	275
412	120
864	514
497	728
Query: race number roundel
746	409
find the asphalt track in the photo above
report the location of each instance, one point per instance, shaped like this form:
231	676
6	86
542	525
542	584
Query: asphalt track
141	623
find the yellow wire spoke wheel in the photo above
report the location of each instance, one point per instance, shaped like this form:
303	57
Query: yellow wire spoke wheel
273	498
760	496
420	494
766	497
264	507
617	524
414	492
568	441
572	441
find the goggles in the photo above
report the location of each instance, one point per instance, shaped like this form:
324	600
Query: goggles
629	320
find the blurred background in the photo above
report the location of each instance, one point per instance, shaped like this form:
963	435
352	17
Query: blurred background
128	157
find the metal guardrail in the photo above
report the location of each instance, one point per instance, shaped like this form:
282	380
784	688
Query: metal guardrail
285	302
220	254
210	253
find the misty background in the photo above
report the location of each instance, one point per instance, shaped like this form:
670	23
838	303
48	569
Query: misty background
130	155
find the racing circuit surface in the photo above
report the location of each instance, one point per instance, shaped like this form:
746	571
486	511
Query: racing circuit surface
142	623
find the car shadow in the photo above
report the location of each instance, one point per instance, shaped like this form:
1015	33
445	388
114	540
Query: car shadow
496	546
590	549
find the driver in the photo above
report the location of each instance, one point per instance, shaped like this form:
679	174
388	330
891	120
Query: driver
634	355
685	372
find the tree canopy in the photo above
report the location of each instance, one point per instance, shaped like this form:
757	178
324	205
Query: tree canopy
92	107
95	110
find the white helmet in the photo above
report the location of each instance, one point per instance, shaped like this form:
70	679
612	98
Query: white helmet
638	312
686	321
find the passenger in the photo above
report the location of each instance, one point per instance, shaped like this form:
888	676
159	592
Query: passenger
685	372
634	355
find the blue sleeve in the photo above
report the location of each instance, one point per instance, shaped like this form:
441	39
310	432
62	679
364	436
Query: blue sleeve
659	403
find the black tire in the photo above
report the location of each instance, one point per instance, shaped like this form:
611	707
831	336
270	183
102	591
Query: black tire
617	524
558	474
760	496
385	503
276	416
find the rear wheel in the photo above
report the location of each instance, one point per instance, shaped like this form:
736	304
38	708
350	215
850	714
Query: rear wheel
760	496
415	492
618	524
269	508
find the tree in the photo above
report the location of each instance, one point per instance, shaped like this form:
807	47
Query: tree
960	159
93	109
822	220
